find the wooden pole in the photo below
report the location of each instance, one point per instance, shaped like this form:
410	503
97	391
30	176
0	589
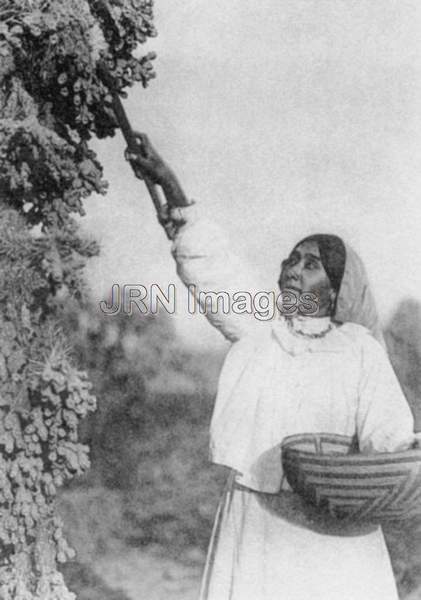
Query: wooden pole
133	144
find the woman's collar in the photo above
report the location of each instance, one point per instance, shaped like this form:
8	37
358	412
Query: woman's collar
312	327
298	335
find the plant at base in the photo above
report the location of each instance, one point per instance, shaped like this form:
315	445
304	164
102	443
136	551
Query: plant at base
52	101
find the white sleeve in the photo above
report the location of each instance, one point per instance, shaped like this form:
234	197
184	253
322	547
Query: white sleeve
384	419
207	264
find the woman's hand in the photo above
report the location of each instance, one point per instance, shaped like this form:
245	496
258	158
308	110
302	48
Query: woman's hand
146	161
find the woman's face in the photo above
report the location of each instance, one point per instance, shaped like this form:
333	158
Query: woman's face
303	271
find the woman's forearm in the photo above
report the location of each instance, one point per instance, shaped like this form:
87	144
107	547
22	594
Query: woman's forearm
173	191
146	162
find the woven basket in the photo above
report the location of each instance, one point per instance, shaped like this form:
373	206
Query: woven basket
329	473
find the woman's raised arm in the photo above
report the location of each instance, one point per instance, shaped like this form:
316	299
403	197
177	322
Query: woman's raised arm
205	260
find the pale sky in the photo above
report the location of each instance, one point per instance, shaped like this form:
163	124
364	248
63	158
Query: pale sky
285	117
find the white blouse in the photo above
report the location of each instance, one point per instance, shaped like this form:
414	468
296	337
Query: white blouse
276	383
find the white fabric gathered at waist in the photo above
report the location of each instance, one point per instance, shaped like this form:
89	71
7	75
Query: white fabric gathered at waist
261	550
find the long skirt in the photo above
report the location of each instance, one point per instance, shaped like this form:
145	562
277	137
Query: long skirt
264	548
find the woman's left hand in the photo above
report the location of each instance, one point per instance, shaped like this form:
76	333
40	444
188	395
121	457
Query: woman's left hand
146	161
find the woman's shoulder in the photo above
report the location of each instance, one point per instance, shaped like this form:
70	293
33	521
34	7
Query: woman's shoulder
354	330
360	337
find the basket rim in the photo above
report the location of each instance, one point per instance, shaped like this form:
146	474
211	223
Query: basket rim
337	438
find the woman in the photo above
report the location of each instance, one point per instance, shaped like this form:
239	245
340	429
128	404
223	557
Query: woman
328	373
